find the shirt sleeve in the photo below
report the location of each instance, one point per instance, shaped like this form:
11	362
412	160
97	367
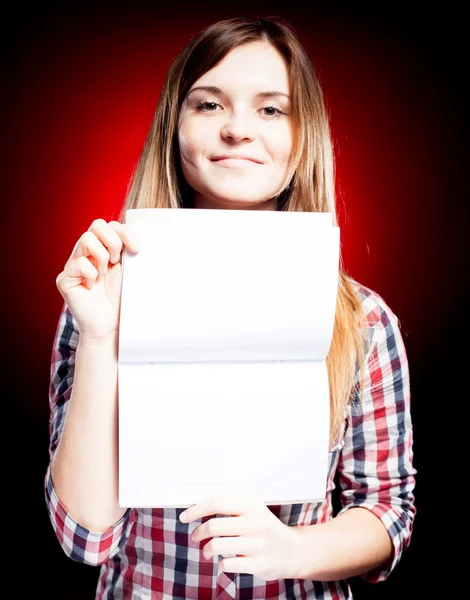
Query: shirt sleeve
78	543
376	469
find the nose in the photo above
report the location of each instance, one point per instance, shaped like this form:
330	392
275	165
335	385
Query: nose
237	127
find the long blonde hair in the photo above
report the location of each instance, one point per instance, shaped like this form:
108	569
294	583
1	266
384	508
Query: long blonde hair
158	182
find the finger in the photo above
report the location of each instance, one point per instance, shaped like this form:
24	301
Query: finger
227	504
127	235
89	246
225	546
81	269
221	527
108	237
239	564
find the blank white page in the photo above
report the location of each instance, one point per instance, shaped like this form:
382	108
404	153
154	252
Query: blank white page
226	321
189	431
228	285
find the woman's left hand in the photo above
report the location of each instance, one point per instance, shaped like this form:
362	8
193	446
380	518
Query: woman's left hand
259	542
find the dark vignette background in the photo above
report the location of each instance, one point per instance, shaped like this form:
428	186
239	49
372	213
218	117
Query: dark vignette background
79	87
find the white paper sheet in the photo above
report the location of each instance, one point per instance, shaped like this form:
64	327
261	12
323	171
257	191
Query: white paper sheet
226	321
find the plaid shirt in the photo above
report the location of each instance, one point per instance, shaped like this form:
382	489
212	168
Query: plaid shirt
149	554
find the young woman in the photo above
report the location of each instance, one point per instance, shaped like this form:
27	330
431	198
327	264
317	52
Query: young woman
240	124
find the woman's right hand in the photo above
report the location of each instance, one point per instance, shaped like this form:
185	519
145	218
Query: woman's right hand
91	280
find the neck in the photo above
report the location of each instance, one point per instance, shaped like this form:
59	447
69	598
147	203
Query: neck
203	202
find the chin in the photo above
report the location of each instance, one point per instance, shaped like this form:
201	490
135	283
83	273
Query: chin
234	196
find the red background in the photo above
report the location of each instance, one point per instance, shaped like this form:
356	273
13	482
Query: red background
80	86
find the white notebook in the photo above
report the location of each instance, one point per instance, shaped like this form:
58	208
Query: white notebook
226	321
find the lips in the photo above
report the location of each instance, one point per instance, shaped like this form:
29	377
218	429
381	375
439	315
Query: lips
235	162
235	157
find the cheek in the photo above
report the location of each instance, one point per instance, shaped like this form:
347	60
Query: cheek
282	145
184	144
191	146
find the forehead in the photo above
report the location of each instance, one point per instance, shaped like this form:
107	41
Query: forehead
256	65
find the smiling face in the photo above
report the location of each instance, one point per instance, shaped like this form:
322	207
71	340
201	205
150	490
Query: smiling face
235	133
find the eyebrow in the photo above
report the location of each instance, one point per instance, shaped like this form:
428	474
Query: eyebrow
215	90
